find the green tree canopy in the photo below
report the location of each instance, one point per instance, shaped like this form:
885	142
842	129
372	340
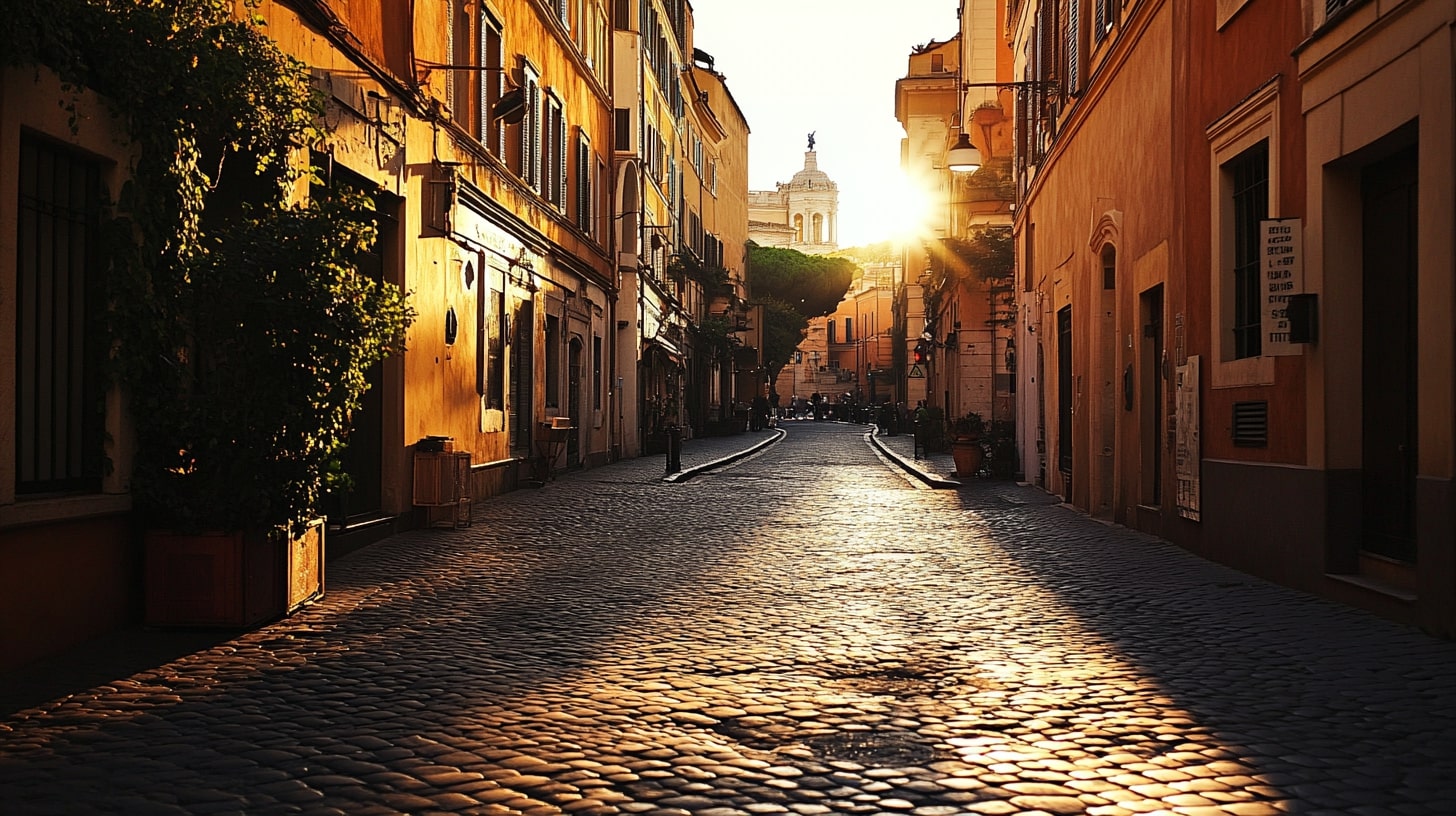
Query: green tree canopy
812	285
783	329
985	254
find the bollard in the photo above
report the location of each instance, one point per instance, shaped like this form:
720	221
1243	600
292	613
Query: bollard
674	449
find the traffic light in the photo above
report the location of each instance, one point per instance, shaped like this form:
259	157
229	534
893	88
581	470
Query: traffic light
920	352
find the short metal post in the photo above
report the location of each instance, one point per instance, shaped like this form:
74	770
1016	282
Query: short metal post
674	449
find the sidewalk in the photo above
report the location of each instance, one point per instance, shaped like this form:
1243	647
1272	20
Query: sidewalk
135	648
706	453
936	470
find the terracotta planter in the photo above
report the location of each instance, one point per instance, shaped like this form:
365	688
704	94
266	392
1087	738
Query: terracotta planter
232	580
968	455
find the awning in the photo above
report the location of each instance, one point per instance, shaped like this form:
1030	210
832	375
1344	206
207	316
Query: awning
664	349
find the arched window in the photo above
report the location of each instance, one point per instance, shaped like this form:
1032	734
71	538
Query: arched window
799	229
818	228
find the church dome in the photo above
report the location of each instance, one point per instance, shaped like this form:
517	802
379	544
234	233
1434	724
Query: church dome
811	177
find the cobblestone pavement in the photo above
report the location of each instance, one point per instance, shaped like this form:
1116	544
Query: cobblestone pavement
807	630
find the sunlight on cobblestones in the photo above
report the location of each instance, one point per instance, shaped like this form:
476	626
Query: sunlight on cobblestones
803	632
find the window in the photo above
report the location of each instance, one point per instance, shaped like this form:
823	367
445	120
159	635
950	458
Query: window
1073	30
1249	173
849	330
585	216
829	327
531	127
553	361
1245	190
493	81
553	153
460	86
622	130
1109	267
1106	18
490	363
59	399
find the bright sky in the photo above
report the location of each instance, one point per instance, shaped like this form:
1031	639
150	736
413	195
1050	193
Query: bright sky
828	66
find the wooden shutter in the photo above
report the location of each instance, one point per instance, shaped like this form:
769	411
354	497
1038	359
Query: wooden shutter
1074	50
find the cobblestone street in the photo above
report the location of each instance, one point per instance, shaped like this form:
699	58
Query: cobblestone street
806	630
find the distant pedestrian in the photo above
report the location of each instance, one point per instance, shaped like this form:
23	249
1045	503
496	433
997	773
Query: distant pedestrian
886	418
922	427
758	416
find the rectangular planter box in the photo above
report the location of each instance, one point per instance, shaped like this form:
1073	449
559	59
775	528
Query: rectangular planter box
233	580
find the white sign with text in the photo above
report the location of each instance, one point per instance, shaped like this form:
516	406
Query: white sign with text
1281	274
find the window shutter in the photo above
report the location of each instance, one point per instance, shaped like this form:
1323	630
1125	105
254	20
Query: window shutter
1046	43
1074	42
527	125
534	140
561	154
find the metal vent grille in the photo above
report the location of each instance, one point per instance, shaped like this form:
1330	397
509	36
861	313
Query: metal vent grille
1251	424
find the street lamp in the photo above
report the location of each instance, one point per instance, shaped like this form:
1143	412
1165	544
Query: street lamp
964	157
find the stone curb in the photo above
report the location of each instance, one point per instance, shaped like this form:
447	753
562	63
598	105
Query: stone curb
689	472
936	481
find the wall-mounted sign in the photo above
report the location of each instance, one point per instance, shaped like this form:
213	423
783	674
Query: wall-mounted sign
1281	274
1188	447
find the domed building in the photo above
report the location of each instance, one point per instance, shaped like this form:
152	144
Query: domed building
802	215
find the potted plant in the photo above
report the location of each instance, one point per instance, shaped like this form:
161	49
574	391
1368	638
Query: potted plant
930	429
239	339
265	341
1001	442
965	444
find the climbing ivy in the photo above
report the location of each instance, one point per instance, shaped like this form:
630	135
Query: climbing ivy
204	96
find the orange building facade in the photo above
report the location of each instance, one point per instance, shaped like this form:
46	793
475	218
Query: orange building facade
1232	332
963	328
534	228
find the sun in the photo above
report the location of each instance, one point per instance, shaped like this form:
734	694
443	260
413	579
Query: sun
904	209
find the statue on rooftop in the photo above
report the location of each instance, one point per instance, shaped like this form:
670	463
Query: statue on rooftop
811	139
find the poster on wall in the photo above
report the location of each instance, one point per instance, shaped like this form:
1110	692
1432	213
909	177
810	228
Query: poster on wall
1188	451
1281	274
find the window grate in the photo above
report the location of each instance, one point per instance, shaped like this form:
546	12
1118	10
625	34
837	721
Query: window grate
1250	177
1251	424
59	396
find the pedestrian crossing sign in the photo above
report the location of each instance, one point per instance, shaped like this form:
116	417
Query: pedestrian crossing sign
917	373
